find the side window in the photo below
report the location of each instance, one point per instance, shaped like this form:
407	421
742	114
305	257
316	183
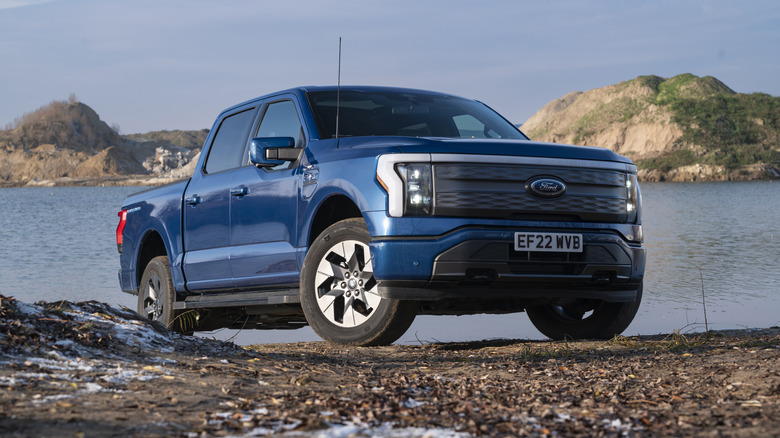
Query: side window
227	149
281	120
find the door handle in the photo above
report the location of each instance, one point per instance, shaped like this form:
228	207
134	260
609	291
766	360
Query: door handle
193	200
239	191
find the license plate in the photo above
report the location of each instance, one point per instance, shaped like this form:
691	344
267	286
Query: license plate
548	242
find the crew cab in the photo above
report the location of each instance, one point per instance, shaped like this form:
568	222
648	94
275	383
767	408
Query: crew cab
354	209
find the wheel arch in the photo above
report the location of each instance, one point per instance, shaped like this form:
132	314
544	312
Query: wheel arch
151	246
332	209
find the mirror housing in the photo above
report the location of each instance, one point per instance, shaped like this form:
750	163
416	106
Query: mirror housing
272	151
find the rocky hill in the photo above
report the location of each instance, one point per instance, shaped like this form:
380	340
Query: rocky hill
684	128
65	142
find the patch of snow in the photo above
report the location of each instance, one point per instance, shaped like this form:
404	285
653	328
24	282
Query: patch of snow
92	388
412	403
385	430
66	343
9	381
122	376
38	400
61	363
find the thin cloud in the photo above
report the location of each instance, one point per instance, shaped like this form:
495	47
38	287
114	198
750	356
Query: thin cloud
10	4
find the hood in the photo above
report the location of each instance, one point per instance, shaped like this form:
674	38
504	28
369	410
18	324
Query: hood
519	148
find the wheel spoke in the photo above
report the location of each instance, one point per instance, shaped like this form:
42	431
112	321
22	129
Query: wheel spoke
361	307
337	263
365	275
334	293
372	293
348	308
152	291
324	286
339	309
335	258
370	284
358	260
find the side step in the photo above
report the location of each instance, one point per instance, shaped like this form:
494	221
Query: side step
239	299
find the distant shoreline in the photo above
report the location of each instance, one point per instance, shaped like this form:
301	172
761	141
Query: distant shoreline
709	173
695	173
113	181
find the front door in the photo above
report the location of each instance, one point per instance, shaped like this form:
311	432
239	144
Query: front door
264	209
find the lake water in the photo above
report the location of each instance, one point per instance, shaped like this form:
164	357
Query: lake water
59	244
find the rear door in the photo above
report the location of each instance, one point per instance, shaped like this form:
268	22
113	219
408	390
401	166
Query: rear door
264	207
207	200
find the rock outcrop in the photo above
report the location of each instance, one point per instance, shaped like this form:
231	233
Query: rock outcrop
66	142
653	121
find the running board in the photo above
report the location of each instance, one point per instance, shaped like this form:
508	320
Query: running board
239	299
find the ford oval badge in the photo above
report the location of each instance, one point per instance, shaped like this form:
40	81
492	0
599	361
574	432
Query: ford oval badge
546	187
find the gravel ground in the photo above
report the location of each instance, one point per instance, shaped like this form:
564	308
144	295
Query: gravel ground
87	369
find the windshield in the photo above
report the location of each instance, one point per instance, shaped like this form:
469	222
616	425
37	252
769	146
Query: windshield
407	114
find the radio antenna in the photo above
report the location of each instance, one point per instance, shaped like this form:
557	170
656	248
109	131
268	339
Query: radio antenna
338	94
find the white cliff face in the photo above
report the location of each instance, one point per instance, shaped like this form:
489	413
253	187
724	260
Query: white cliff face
166	160
185	169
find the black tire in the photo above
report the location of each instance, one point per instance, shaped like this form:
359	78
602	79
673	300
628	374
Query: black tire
340	306
156	293
604	321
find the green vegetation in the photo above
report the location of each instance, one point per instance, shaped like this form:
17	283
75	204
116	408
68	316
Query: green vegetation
185	139
186	322
651	81
728	129
688	86
677	158
735	130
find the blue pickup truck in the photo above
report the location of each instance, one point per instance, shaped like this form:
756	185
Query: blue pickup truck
354	209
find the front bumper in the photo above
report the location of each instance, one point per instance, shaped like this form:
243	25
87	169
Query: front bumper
483	263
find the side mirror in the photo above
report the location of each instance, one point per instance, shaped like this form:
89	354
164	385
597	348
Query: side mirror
272	151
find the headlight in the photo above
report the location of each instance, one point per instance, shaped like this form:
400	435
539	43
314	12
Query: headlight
407	180
633	199
417	188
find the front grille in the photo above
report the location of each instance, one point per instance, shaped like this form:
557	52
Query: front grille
498	191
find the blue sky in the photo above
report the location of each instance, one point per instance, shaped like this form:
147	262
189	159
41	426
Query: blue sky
150	64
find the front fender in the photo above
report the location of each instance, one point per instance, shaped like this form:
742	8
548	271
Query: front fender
354	179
